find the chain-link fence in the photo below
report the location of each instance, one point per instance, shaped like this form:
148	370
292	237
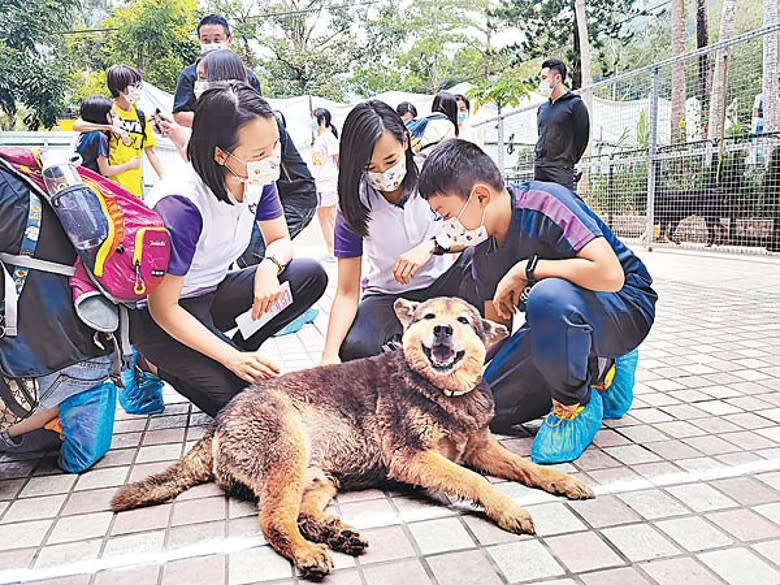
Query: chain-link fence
671	161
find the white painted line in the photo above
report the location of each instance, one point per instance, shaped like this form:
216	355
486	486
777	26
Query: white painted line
235	544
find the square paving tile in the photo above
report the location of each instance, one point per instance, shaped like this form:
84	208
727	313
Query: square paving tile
583	552
210	569
745	525
622	576
487	533
747	491
47	485
675	571
257	564
23	534
701	497
640	542
33	508
550	519
405	572
694	534
464	568
526	560
446	534
653	504
604	511
101	478
739	566
188	512
82	527
61	554
141	519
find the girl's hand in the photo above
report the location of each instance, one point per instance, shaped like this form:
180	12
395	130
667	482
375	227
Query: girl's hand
267	288
508	291
251	367
410	262
121	134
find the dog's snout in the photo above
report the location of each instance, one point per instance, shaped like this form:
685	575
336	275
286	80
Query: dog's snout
442	331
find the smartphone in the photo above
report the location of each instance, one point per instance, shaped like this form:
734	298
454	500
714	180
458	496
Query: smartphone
156	121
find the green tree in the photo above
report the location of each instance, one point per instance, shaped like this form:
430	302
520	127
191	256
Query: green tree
32	72
155	36
548	29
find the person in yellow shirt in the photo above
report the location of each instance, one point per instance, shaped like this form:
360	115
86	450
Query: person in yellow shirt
131	131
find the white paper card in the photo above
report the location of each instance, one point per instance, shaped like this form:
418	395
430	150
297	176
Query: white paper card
247	327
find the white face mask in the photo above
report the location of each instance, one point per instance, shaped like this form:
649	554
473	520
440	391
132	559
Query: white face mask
133	95
199	88
208	47
391	179
544	88
458	235
261	172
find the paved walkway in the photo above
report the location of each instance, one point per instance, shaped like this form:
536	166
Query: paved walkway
688	483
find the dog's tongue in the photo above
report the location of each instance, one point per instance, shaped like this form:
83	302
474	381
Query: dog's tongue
441	353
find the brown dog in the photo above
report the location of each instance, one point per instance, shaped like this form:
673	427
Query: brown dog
410	416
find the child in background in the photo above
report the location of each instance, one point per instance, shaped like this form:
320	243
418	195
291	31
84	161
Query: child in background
325	168
92	145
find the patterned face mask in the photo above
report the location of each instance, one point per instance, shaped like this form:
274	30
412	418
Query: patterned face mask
390	180
457	234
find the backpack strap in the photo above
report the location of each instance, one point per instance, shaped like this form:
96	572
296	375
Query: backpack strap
14	283
142	121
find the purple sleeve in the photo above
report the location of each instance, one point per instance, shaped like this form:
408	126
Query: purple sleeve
103	145
346	242
185	224
270	206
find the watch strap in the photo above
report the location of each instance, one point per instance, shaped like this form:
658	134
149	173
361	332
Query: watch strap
530	269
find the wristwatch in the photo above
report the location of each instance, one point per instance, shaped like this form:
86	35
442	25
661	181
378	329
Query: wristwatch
530	267
279	264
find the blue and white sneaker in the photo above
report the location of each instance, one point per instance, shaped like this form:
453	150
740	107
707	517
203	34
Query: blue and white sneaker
617	387
567	431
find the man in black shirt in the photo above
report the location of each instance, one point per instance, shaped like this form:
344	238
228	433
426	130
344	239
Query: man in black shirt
564	128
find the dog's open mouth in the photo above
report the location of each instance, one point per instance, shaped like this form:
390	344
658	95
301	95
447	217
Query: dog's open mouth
442	357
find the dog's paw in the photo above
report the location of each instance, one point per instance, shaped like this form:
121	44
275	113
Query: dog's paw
348	541
516	520
572	488
314	562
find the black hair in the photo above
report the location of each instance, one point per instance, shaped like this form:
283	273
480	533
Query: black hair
363	127
223	65
406	108
280	116
119	77
444	103
323	115
459	97
214	19
454	167
219	114
556	65
94	109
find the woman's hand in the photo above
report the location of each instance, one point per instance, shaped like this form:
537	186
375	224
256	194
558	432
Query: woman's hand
267	288
508	291
251	367
410	262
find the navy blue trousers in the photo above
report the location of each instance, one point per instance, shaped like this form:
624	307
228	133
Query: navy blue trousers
555	354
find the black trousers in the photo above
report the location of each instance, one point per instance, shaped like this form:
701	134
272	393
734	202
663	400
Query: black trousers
205	382
562	175
376	323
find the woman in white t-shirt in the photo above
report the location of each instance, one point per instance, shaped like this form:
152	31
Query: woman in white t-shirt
325	168
209	206
384	237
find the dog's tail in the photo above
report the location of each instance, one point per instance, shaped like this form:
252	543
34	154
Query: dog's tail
194	468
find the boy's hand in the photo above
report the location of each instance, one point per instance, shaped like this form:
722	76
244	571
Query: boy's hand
410	262
508	291
121	134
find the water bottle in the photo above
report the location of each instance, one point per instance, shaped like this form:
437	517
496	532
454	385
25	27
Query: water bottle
75	204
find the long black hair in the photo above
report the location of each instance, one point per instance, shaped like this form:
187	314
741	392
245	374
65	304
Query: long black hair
223	65
219	114
362	128
95	109
323	115
445	103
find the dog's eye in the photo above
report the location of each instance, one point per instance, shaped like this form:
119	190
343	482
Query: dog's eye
429	316
463	320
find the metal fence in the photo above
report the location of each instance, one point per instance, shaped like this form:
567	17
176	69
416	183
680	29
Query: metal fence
652	173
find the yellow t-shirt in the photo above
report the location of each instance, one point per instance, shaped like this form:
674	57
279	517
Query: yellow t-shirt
119	152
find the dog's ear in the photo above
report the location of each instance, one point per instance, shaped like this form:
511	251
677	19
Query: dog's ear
404	310
494	333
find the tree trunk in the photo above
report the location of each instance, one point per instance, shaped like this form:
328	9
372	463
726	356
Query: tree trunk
576	66
716	125
678	72
702	40
587	79
770	86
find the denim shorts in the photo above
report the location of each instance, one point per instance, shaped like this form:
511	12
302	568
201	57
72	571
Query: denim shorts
56	387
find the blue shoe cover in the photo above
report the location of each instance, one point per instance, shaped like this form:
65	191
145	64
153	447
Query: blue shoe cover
87	421
619	396
565	440
294	326
142	392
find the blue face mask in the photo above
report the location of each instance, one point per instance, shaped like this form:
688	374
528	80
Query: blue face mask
462	117
315	126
